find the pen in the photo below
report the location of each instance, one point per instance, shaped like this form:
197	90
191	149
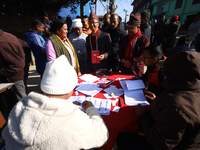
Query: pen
106	105
119	103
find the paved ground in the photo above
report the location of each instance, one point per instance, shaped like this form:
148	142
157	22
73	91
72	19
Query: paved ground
33	82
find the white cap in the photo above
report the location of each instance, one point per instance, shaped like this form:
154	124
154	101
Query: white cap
76	23
59	77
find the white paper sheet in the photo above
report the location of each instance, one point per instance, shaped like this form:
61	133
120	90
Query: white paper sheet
109	90
79	99
103	106
135	97
134	84
88	89
116	109
89	78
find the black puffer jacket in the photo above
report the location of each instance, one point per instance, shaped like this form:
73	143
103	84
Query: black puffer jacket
174	118
116	35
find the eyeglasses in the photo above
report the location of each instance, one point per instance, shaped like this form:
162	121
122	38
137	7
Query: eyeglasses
131	28
94	22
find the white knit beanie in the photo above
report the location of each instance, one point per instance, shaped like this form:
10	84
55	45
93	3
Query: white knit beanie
76	23
59	77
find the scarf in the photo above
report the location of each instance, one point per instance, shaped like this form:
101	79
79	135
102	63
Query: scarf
93	39
129	48
61	49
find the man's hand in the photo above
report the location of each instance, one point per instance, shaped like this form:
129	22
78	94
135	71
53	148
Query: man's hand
87	104
149	96
101	57
127	63
140	110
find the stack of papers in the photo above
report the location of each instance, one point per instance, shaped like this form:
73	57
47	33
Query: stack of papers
88	89
133	92
113	89
103	106
89	78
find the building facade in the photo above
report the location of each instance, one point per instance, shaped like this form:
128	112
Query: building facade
185	9
140	5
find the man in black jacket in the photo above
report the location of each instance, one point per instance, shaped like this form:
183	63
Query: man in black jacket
169	33
116	34
145	27
158	30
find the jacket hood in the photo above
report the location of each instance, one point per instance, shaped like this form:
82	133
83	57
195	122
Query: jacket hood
183	71
35	116
30	31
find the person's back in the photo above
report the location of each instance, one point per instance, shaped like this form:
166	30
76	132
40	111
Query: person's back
173	121
170	32
37	45
50	121
176	111
12	62
183	44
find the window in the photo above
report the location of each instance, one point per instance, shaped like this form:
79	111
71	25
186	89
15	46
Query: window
178	4
160	8
195	2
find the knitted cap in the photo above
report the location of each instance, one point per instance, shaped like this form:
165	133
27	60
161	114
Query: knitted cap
146	14
93	16
174	18
76	23
135	19
59	77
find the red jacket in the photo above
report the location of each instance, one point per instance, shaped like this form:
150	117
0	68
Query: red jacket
137	57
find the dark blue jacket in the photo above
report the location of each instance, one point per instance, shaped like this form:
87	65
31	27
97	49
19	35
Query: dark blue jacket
177	49
37	45
146	29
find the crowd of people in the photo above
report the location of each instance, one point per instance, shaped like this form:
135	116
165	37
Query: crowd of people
65	49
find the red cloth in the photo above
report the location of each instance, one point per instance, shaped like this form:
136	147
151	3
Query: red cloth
125	120
93	40
93	16
129	49
175	17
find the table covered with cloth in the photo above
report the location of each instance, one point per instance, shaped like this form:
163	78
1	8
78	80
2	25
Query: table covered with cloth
124	120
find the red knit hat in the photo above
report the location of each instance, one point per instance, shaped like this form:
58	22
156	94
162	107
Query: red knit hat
174	18
93	16
135	19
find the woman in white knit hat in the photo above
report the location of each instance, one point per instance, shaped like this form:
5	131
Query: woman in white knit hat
49	121
78	39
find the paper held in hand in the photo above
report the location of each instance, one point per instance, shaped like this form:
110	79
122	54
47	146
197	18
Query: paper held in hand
133	92
103	106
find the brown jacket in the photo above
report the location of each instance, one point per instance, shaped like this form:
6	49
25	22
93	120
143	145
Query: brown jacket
12	57
174	119
137	58
104	47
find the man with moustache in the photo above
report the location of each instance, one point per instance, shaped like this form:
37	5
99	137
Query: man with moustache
116	34
106	21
